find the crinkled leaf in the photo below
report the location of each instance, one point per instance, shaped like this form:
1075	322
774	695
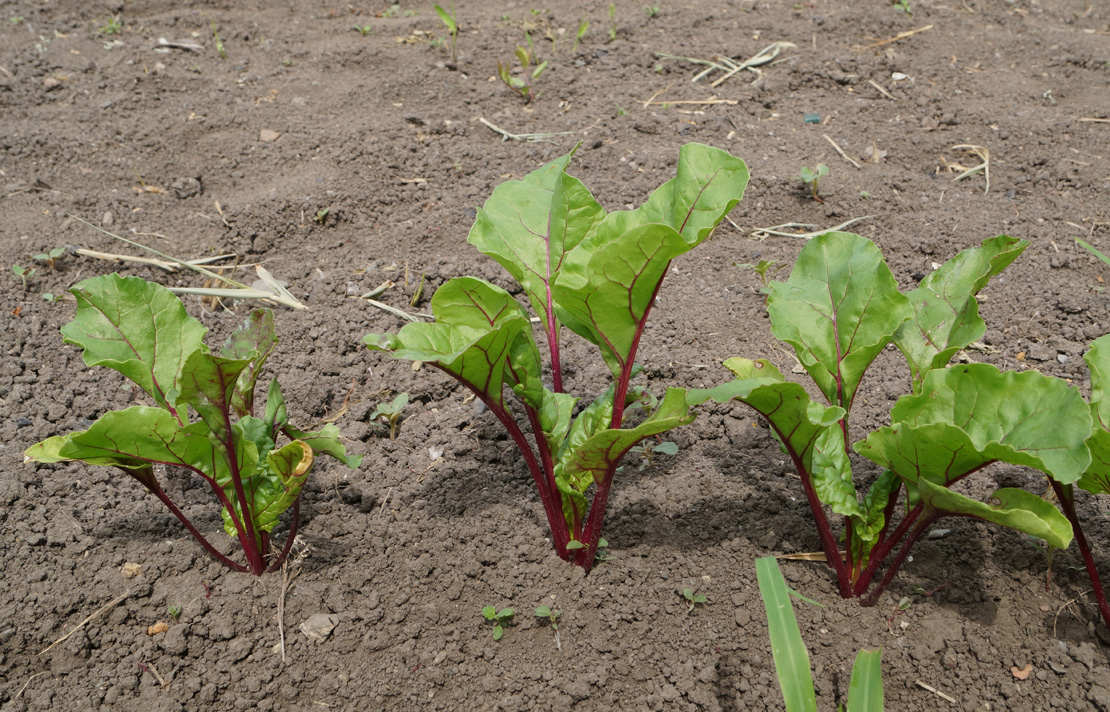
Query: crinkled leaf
945	312
208	383
254	340
797	421
530	225
838	310
276	413
708	183
326	441
274	486
867	527
1096	479
1009	507
831	473
591	420
969	415
598	456
137	328
605	295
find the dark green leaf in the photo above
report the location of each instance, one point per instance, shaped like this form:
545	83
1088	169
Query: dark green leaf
254	340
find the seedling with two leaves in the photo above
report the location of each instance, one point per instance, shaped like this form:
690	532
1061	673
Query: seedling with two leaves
390	414
693	598
811	176
552	617
143	331
24	274
499	619
528	74
597	274
51	257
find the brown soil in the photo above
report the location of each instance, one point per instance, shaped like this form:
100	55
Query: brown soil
168	147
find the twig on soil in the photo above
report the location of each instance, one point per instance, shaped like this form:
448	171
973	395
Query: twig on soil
1060	610
275	294
895	38
935	691
110	604
810	556
840	150
164	43
37	674
882	91
762	232
1092	120
731	67
161	264
656	94
154	671
534	137
385	501
287	577
393	310
982	154
711	100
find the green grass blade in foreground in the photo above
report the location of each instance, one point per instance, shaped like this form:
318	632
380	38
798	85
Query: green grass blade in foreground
787	646
865	691
945	311
838	310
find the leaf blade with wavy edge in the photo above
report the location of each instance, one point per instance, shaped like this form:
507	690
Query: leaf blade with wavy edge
945	312
797	421
208	384
255	340
137	328
865	690
274	486
596	457
325	441
1096	479
1012	508
476	357
605	295
838	309
530	225
967	416
708	183
787	646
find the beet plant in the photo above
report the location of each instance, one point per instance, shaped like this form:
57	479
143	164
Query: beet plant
143	331
839	309
598	274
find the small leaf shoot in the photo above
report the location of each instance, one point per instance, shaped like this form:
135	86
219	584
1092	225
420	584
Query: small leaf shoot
390	413
811	177
499	619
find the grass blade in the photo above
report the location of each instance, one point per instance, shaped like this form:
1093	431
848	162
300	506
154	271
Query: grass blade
865	691
1090	248
787	646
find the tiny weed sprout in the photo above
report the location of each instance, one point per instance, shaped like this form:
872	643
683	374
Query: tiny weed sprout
51	257
364	30
788	649
499	619
598	275
838	310
583	28
321	216
23	273
811	176
390	413
47	296
174	613
219	42
652	11
763	271
112	27
448	19
903	6
143	331
693	599
612	21
649	449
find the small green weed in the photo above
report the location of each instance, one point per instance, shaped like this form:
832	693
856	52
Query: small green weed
51	257
448	19
23	273
390	414
363	30
583	28
498	618
811	176
112	27
612	22
693	599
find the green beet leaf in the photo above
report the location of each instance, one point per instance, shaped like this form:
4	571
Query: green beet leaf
137	328
838	310
1096	479
1008	507
968	416
530	225
945	312
254	340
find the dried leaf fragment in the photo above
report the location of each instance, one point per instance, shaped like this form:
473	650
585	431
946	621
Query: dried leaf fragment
130	569
1023	673
159	627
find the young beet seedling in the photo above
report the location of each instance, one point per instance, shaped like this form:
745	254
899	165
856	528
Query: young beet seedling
595	273
23	273
522	86
390	413
51	258
142	330
498	618
811	176
693	599
839	309
552	617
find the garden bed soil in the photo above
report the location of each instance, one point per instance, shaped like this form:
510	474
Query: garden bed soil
197	154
